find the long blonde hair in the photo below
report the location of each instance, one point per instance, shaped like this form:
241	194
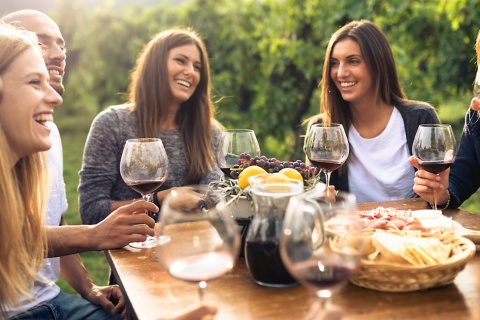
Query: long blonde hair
22	190
150	95
477	48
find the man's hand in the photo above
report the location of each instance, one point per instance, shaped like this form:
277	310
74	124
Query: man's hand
110	298
127	224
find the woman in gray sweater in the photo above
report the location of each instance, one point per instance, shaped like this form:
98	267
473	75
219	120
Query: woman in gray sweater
361	90
169	98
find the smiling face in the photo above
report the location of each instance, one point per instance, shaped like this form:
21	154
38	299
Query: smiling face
184	66
350	73
50	37
27	104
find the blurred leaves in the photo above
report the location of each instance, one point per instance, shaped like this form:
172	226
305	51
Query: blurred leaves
266	56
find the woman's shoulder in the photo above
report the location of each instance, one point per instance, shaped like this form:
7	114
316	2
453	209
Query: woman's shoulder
116	113
420	110
412	105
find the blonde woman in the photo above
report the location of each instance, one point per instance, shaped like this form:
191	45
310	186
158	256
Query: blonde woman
455	185
26	103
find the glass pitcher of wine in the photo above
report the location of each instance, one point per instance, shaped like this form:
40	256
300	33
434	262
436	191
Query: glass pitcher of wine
271	194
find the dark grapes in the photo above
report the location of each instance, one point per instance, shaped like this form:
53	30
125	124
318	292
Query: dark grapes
271	165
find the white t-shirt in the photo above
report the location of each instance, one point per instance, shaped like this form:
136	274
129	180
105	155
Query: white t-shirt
378	168
45	288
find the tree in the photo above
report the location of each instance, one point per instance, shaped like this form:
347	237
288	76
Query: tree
266	56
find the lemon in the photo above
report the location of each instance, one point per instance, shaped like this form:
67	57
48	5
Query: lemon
292	174
247	173
276	178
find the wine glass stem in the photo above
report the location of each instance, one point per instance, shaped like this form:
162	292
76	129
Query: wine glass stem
147	197
324	296
327	178
202	291
434	201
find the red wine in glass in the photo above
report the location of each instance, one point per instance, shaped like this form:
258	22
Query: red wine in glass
326	146
323	276
435	166
146	187
435	148
144	167
322	241
326	165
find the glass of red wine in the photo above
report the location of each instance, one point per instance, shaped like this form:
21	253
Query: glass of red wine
327	148
204	240
435	148
144	168
322	243
236	144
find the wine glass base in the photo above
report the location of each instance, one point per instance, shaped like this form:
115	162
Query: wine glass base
151	242
276	285
163	239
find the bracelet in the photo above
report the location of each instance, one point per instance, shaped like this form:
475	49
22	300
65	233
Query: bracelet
446	204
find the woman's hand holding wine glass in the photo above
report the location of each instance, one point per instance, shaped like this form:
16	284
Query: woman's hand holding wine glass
327	148
435	150
204	241
235	144
144	167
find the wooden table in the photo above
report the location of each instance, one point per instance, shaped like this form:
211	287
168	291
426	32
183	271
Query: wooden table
152	294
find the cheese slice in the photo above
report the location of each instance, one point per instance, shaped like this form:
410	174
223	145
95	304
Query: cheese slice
410	248
433	220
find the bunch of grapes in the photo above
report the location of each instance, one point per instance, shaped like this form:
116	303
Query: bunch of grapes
271	165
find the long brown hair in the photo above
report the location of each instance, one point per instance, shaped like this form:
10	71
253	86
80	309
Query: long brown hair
150	95
22	192
379	58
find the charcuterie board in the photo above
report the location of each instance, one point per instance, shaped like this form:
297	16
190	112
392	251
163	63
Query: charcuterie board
473	235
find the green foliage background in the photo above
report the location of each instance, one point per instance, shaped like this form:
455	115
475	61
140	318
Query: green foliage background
266	59
266	56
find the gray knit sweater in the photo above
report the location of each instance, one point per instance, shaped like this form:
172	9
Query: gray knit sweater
100	179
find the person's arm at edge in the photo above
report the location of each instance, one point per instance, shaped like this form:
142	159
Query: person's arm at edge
125	225
74	272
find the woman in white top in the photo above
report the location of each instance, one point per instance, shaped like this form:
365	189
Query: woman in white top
361	90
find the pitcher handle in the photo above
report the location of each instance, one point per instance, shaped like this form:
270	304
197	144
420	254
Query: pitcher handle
319	213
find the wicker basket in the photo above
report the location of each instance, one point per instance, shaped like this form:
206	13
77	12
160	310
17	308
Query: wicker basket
394	277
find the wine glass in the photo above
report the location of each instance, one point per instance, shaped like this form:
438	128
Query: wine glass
435	148
322	241
236	144
327	148
204	240
144	168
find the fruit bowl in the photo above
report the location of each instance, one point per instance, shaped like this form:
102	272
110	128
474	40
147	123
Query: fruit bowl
241	207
